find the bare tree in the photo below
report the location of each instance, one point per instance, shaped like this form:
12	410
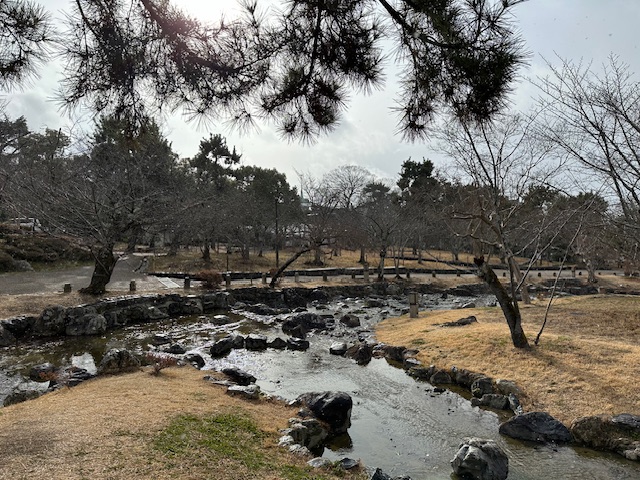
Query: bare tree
592	118
502	161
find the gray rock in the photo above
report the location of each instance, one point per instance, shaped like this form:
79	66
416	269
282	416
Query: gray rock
176	349
255	342
350	320
220	320
440	377
462	321
309	432
479	459
250	392
51	322
505	387
536	427
334	408
277	343
298	325
360	352
319	462
118	361
222	347
620	433
347	463
338	348
6	337
239	376
297	344
88	324
195	359
492	400
482	386
25	391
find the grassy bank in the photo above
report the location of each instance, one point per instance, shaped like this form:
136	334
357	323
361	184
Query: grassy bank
587	362
137	425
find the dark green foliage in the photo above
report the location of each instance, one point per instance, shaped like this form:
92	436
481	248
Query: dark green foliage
296	64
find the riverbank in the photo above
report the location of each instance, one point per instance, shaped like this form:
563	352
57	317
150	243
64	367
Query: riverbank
109	428
587	361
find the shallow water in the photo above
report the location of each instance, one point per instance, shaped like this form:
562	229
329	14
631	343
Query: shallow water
398	424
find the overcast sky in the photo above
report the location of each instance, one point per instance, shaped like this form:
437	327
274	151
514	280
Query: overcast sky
590	30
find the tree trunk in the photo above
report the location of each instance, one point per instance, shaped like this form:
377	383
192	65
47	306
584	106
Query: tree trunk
105	262
524	290
362	255
317	259
206	251
285	265
508	304
383	255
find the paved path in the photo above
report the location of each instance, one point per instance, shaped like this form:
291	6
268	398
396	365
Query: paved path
17	283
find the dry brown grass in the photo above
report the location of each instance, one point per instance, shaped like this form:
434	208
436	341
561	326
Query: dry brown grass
587	362
191	261
105	429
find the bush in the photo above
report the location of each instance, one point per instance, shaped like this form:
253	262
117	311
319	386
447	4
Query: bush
160	361
209	278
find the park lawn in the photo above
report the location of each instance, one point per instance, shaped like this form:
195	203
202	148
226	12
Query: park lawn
137	425
587	361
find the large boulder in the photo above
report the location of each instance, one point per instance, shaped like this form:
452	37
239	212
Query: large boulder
298	325
360	352
87	324
255	341
333	408
222	347
536	427
6	337
51	322
118	361
479	459
239	376
619	433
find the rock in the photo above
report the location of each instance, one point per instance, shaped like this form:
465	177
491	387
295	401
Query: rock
158	340
338	348
25	391
309	432
479	459
176	349
461	322
333	408
465	378
6	337
299	324
360	352
297	344
492	400
421	372
255	342
319	462
222	347
410	363
51	322
469	305
239	376
482	386
378	474
237	340
118	361
88	324
505	387
220	319
347	463
299	450
393	353
19	326
195	359
43	372
536	427
514	404
440	377
350	320
277	343
70	377
620	433
250	392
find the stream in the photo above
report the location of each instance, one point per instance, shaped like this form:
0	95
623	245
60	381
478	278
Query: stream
398	424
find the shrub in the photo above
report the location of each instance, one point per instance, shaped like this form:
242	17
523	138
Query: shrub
209	278
160	361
